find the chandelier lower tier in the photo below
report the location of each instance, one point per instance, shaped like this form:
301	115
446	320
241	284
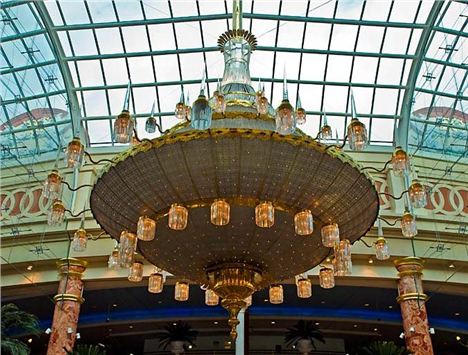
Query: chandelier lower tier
189	170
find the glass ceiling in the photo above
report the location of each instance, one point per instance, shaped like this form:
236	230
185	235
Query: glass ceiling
405	62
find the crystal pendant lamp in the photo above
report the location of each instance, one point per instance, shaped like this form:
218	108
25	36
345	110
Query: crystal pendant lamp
178	217
80	240
265	215
326	277
330	235
135	272
304	223
155	282
52	187
181	291
417	195
74	153
409	228
276	294
381	249
211	298
220	213
304	287
127	247
146	228
56	213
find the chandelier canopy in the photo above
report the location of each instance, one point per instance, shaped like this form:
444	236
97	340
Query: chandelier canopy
237	206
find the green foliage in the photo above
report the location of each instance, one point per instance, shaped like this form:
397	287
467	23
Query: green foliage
85	349
303	330
384	348
179	331
13	319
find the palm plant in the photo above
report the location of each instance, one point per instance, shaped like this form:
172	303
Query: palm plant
179	331
384	348
15	320
303	330
85	349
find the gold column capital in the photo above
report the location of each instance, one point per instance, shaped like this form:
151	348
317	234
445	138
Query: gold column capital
409	260
412	296
71	262
68	297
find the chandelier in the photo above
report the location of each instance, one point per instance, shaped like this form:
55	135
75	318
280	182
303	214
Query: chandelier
235	198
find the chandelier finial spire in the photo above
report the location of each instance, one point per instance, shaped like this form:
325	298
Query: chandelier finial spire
285	84
237	15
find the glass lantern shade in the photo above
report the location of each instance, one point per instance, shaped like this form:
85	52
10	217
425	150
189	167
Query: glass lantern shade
211	298
188	112
357	135
330	235
181	291
409	228
150	125
127	247
265	215
326	277
285	119
74	153
56	213
113	261
417	195
155	282
180	111
178	217
146	228
400	161
326	132
304	223
381	249
201	113
135	272
276	294
304	288
262	103
80	240
219	102
301	116
220	213
342	258
123	128
52	187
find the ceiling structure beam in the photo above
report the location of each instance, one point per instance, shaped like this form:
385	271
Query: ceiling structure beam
403	125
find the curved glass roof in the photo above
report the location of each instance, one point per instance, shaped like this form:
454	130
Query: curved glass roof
404	61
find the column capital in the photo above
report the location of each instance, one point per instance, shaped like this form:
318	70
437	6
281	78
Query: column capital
71	262
71	267
409	265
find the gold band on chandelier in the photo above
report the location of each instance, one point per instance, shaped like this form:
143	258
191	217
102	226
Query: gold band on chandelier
412	296
68	297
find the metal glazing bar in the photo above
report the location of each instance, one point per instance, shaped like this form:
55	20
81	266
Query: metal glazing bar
441	93
155	21
446	63
33	97
440	124
259	48
450	31
26	67
45	125
21	35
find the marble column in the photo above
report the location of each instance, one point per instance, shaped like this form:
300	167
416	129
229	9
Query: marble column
412	303
67	306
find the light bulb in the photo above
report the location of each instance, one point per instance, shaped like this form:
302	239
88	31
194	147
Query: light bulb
220	213
181	291
52	187
326	277
201	113
408	225
265	215
381	249
80	240
146	228
285	119
155	282
211	298
304	287
400	161
417	195
150	125
74	153
56	213
304	222
330	235
357	135
135	272
178	217
326	132
276	294
123	127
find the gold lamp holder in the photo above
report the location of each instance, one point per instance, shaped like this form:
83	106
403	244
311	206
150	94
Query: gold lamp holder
234	282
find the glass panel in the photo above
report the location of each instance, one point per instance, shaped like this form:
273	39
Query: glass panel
115	71
83	42
99	131
364	70
370	39
92	69
95	103
102	11
339	68
343	37
74	12
135	39
290	34
349	9
141	70
109	40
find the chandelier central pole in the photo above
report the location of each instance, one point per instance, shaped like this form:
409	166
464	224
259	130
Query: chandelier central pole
237	15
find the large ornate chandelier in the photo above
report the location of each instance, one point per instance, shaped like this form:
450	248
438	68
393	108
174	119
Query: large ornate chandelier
234	198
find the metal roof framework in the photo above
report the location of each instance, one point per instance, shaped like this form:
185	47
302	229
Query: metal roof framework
402	60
